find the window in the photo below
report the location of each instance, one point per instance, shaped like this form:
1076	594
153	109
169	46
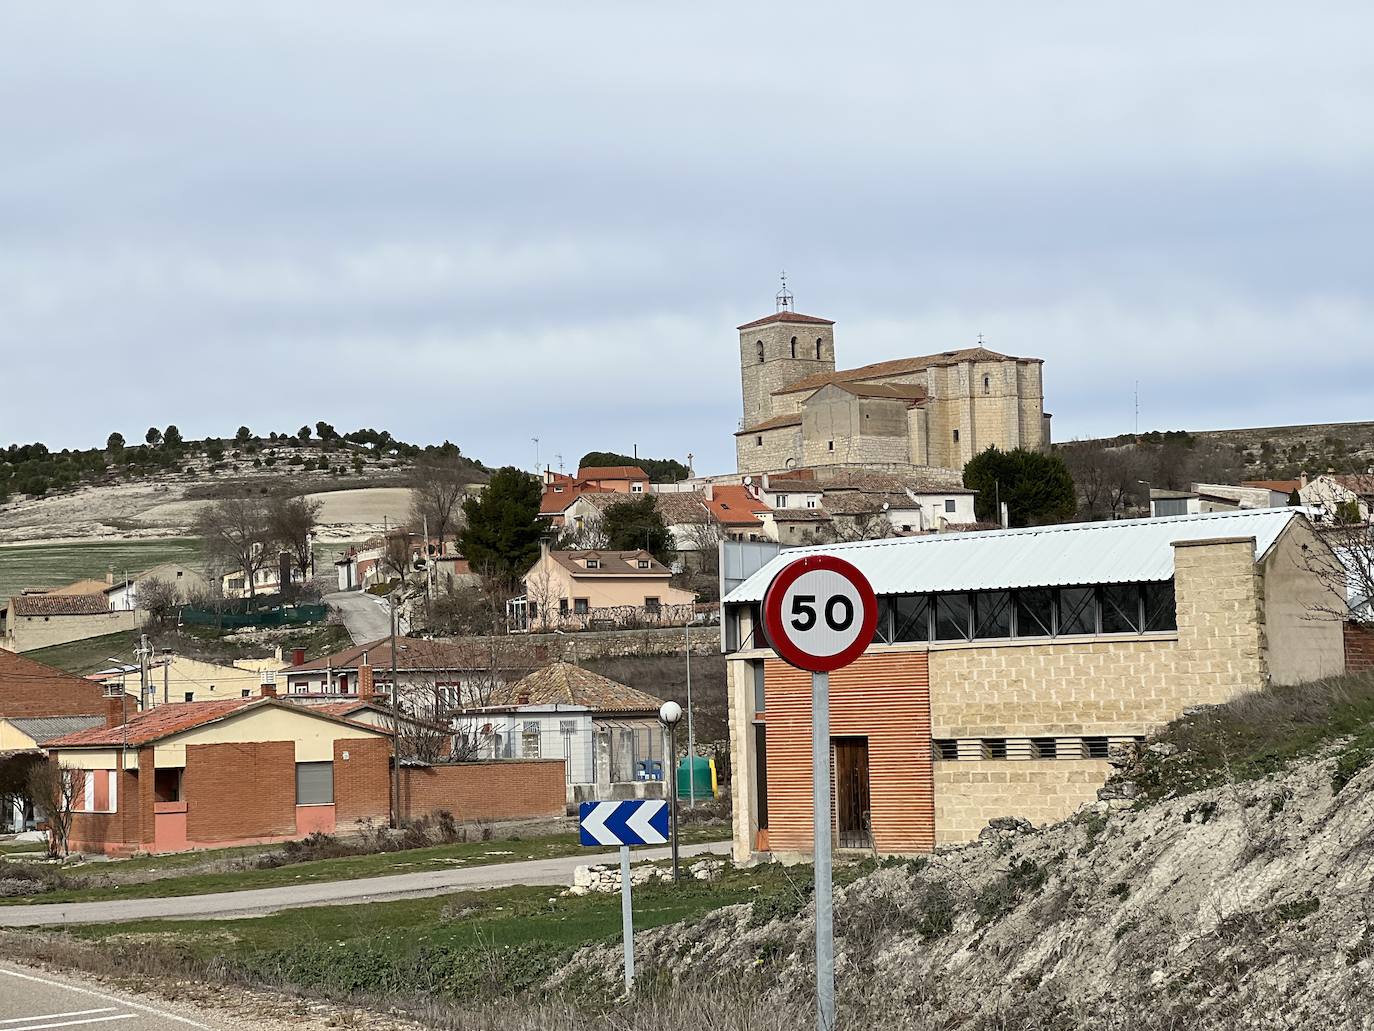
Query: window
529	740
758	441
994	748
956	436
1120	608
651	606
780	501
830	446
593	563
945	748
1042	748
534	609
190	696
167	784
1035	612
759	345
758	686
810	502
562	606
1159	606
949	504
952	612
246	692
580	606
987	384
636	488
642	563
911	618
794	347
97	791
818	348
315	783
1077	610
993	614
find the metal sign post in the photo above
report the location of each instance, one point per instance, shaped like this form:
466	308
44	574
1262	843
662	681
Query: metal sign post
624	824
820	613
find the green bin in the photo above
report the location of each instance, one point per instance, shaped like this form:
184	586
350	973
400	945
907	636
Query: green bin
696	773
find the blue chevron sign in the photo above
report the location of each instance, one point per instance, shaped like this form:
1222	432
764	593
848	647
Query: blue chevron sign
624	823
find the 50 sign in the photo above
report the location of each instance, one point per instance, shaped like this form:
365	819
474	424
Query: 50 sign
820	612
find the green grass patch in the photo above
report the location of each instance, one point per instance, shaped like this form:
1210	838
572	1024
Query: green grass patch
55	565
148	877
13	848
82	657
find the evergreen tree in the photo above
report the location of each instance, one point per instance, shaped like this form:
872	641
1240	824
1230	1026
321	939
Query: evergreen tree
631	525
1036	487
115	442
243	436
171	436
153	436
503	529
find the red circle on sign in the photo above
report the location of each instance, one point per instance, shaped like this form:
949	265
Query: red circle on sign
776	626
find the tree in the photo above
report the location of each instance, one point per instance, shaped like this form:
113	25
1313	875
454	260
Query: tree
160	600
325	431
303	434
587	534
660	470
436	492
114	443
54	787
634	524
1105	477
1294	498
243	436
153	436
397	558
1036	487
503	528
171	436
293	530
238	531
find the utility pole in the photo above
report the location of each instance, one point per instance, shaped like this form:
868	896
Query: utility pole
142	669
691	736
395	726
166	673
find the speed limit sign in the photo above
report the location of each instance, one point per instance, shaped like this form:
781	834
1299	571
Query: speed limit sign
820	612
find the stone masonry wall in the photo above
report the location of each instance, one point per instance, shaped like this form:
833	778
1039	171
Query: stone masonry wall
969	794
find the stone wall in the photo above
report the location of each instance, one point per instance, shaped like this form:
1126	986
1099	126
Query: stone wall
779	368
969	794
780	447
28	633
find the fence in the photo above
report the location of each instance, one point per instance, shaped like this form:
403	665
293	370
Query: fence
287	615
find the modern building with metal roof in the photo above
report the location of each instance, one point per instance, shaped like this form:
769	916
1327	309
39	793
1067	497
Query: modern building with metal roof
1005	664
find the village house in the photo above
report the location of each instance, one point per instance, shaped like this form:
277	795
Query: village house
180	678
31	621
607	734
1006	663
1344	496
29	688
22	739
122	594
580	590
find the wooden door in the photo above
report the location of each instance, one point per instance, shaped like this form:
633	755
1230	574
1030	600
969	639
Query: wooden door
852	818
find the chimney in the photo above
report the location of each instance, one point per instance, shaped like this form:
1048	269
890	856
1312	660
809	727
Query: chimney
276	653
116	709
710	492
298	656
267	686
109	576
543	548
365	686
1302	480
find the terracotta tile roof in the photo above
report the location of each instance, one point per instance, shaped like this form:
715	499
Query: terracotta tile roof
553	502
565	684
60	605
612	472
900	366
775	423
1286	486
613	563
735	506
896	391
788	316
858	502
676	509
85	587
1357	483
801	515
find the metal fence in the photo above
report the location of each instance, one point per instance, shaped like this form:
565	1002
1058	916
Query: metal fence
287	615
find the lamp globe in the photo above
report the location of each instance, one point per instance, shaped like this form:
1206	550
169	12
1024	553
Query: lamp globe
670	713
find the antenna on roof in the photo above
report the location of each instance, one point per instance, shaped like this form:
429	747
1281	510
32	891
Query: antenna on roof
783	298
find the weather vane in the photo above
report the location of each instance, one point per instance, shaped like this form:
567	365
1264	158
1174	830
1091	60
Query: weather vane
783	298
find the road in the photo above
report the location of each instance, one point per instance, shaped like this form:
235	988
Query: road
257	901
32	999
366	616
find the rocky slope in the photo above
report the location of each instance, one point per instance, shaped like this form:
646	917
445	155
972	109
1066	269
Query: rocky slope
1248	905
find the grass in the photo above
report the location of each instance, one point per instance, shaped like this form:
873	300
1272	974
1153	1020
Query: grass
10	848
54	565
157	877
200	642
87	656
1262	733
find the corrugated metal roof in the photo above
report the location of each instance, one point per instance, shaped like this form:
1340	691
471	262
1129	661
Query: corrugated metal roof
46	728
1126	551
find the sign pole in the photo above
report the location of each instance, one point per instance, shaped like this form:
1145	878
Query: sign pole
627	918
820	785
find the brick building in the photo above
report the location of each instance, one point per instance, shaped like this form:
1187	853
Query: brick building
1005	664
29	688
936	410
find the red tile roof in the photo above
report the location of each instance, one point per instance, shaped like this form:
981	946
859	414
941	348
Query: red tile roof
565	684
1286	486
899	367
777	422
553	502
60	605
612	472
788	316
734	506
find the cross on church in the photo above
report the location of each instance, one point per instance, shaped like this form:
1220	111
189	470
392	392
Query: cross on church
783	298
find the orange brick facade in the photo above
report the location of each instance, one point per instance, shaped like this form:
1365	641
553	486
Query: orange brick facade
362	782
29	688
1359	649
513	789
240	790
884	699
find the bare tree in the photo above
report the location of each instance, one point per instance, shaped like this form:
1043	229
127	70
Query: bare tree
238	532
53	787
542	594
1342	558
586	534
160	600
293	522
702	541
1105	478
437	492
398	557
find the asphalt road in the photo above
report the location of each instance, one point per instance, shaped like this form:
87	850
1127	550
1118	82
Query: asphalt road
366	616
257	901
32	999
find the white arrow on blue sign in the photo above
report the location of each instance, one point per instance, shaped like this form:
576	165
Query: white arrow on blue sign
624	823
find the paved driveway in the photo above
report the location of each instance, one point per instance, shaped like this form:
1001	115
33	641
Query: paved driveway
371	889
367	617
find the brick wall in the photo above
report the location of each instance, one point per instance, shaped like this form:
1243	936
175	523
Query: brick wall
513	789
1359	649
118	832
885	699
29	688
236	790
362	782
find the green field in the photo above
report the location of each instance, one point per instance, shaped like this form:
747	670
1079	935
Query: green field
53	565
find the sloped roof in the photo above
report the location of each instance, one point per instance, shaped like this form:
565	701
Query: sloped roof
895	391
45	728
612	472
1357	483
900	366
60	604
1125	551
1286	486
778	422
676	509
801	515
562	683
412	653
788	316
864	502
733	505
613	563
83	587
553	502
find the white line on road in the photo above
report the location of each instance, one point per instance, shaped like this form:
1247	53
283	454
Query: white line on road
106	998
54	1016
69	1023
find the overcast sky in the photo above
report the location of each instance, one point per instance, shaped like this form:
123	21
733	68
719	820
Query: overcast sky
489	223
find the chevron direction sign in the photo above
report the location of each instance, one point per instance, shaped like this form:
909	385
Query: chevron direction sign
624	823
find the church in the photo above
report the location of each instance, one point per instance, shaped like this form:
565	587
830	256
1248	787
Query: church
937	410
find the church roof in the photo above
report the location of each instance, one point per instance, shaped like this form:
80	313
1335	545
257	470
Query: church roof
775	423
899	366
788	316
897	391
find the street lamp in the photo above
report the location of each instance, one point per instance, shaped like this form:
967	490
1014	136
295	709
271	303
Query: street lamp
670	713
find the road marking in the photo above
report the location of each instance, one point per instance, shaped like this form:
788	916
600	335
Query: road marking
69	1023
105	998
51	1016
